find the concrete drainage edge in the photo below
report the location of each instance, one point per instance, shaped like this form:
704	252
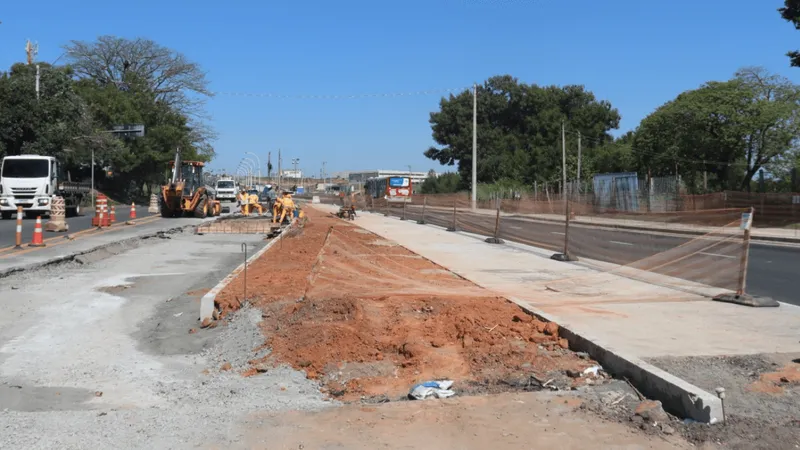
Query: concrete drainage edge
207	301
677	396
72	256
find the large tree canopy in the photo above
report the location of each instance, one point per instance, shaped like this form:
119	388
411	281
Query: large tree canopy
519	129
730	129
791	13
111	82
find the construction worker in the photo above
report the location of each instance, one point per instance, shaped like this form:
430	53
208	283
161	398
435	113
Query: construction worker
252	203
285	205
241	199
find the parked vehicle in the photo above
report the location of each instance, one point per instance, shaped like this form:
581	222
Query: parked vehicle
31	181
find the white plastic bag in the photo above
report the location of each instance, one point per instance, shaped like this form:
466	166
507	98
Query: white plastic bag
437	389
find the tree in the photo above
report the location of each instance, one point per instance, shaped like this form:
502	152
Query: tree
142	65
791	13
48	125
731	129
519	129
446	183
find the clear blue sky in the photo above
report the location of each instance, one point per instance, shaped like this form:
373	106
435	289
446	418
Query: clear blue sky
637	54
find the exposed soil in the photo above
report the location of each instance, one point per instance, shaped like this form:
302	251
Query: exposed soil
762	403
369	319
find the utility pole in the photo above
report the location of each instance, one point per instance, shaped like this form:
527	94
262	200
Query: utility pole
269	166
474	146
280	171
579	162
564	164
324	176
37	82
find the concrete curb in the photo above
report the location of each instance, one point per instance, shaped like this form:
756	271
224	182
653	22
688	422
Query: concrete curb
207	301
676	395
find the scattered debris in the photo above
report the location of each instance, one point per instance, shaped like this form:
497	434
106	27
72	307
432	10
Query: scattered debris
437	389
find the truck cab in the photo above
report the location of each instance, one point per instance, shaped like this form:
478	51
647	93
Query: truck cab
31	181
28	181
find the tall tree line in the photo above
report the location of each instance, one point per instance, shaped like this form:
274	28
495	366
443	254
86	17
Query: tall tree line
104	83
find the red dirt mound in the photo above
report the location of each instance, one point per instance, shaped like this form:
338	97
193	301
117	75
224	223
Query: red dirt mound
367	317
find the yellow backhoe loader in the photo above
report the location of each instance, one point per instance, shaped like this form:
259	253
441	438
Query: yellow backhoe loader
186	194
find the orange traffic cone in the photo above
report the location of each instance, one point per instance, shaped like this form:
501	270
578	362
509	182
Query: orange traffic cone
113	214
37	241
133	210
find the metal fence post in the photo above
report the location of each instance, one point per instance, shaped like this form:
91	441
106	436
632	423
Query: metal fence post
386	213
496	238
565	256
424	203
404	209
741	297
455	223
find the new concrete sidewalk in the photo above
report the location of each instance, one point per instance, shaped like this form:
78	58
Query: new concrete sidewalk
621	321
58	249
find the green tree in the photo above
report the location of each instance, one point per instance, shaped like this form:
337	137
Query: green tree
446	183
730	129
48	125
791	13
519	129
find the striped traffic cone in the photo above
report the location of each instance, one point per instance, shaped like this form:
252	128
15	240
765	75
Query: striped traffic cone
133	210
38	240
113	214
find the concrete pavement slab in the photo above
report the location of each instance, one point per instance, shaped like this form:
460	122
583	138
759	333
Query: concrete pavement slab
59	249
627	318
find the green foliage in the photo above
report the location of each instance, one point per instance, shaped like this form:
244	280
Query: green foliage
519	129
791	13
446	183
110	82
730	129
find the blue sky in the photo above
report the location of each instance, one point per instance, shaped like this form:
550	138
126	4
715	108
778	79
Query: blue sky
636	54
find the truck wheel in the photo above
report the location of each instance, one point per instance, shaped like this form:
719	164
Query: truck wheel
201	210
73	211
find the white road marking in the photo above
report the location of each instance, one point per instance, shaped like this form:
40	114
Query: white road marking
514	227
557	232
717	254
620	243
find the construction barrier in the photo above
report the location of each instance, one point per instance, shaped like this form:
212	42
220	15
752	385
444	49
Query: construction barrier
713	255
19	228
113	217
58	212
101	217
153	208
38	239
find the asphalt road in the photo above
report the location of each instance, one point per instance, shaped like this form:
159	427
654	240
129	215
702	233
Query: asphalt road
83	222
772	271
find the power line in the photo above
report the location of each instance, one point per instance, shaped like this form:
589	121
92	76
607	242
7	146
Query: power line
338	97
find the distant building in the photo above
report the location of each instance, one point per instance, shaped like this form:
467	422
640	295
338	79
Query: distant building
296	174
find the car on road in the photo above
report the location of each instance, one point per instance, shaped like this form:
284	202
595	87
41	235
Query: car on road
226	190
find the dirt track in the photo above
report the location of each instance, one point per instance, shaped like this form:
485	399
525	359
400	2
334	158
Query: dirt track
369	319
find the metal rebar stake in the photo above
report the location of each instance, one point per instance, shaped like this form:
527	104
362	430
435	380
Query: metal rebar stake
424	203
244	249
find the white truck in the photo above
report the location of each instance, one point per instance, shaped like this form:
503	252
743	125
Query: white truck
31	181
226	190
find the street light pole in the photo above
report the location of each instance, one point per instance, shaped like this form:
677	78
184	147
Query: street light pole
258	165
474	146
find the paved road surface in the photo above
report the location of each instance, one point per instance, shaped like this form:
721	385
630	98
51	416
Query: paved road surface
773	269
8	227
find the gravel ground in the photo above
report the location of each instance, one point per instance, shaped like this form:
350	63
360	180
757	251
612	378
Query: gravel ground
99	355
762	403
